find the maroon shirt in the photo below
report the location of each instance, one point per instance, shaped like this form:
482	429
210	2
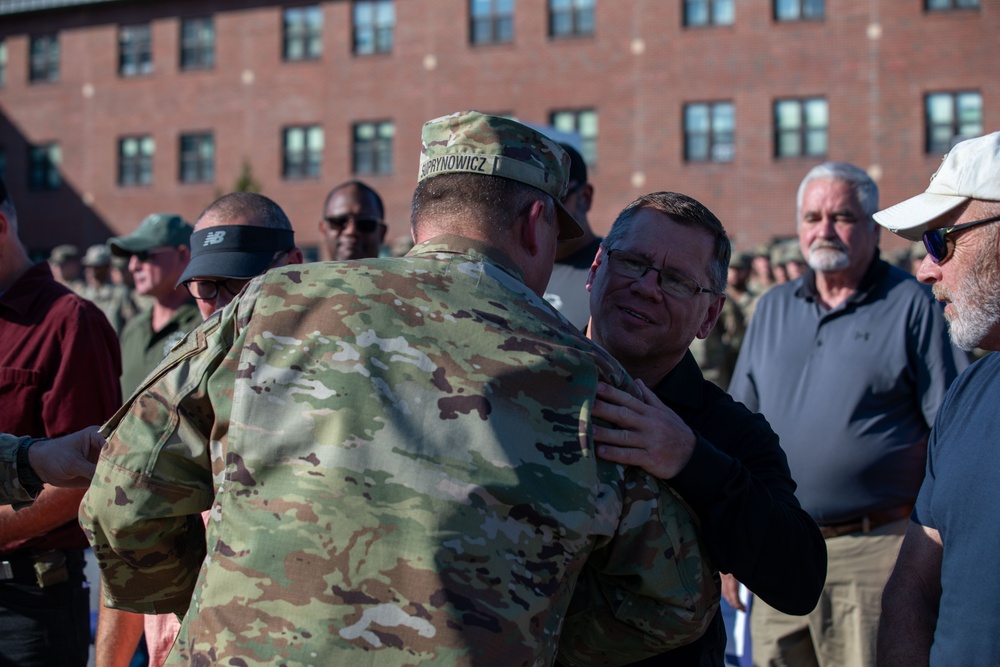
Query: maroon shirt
59	368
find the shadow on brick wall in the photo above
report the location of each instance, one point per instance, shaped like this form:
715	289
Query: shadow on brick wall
44	204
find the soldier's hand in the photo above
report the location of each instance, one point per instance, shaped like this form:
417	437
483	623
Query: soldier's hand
69	460
648	435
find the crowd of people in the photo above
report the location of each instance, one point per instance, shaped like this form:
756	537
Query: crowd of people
514	441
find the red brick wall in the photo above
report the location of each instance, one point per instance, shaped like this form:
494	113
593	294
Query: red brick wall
875	89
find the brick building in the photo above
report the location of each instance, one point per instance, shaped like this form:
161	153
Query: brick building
113	109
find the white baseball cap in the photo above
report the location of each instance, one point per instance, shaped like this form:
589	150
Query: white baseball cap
970	171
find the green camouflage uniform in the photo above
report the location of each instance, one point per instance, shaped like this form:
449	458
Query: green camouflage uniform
11	490
397	458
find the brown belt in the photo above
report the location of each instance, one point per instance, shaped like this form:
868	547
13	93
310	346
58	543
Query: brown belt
867	523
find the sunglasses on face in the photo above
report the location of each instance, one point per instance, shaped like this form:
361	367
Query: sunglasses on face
671	282
936	240
364	225
146	255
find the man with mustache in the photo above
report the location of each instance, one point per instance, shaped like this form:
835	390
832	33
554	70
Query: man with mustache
940	605
849	364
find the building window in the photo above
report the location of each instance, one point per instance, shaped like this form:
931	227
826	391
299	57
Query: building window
800	127
303	152
948	5
3	62
197	158
571	18
583	123
708	132
491	21
952	117
373	147
135	50
135	160
798	10
198	43
44	64
708	12
303	33
374	21
43	167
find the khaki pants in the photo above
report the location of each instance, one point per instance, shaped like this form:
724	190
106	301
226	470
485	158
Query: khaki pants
841	630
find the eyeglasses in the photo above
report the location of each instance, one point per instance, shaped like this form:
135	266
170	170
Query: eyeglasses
204	289
146	255
364	224
671	282
936	240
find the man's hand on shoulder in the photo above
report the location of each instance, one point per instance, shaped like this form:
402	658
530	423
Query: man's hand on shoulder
648	435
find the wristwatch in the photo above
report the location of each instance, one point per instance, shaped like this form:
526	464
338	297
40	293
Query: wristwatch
25	473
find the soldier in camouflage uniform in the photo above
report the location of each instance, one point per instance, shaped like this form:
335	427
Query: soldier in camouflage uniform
398	456
27	463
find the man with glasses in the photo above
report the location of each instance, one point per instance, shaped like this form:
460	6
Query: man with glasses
657	284
353	224
942	601
567	288
849	364
158	252
239	236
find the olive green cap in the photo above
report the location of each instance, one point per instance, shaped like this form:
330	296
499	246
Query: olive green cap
476	143
156	231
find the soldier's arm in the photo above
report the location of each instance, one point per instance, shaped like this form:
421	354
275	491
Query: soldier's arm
154	478
648	590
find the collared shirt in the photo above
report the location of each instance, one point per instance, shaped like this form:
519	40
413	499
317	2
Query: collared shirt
851	391
59	368
398	462
143	349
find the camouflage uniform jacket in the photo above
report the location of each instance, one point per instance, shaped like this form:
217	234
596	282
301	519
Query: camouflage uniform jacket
398	462
11	490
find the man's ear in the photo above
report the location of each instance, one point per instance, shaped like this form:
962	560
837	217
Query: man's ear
531	222
712	316
381	234
598	260
586	196
294	256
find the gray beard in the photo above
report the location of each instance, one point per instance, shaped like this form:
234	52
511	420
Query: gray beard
824	260
976	304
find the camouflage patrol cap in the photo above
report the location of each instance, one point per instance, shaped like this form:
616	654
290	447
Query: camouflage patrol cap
64	253
97	255
157	230
475	143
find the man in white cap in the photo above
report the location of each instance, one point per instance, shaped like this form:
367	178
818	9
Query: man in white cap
941	603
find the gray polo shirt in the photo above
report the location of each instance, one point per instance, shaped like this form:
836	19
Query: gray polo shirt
852	391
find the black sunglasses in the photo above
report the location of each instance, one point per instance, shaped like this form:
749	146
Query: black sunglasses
936	240
144	255
365	225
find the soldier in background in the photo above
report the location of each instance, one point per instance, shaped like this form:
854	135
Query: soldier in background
64	260
115	301
353	224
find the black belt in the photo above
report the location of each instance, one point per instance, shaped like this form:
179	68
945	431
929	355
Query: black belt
867	523
41	568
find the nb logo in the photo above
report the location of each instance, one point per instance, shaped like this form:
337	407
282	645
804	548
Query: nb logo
213	237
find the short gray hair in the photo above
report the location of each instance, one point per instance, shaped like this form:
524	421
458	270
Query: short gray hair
685	211
864	188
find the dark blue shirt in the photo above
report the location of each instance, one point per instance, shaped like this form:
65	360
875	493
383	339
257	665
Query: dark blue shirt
851	391
959	499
